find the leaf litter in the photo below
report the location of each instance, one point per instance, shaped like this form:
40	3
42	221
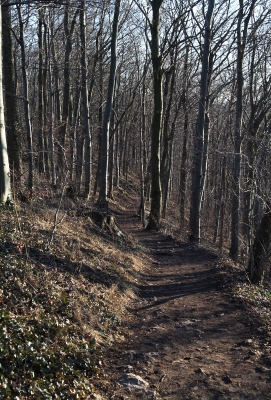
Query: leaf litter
63	306
60	304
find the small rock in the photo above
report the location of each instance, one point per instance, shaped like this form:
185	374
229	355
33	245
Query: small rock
149	343
162	378
135	382
254	353
181	328
128	367
263	370
247	342
131	353
200	371
141	356
96	396
227	379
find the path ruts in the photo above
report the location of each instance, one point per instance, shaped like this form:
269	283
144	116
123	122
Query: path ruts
187	339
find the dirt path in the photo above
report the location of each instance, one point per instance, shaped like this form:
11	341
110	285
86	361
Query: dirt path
188	339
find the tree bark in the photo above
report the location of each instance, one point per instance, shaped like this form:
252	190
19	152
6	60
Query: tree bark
183	173
108	107
11	109
85	107
261	249
198	176
40	95
156	192
241	44
5	189
66	88
26	102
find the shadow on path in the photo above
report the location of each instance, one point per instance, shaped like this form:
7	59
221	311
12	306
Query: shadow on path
186	337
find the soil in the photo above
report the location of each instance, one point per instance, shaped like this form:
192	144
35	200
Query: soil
186	337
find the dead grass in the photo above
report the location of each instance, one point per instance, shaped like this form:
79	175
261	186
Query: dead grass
62	302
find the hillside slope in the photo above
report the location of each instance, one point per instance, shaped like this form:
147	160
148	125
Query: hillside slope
86	300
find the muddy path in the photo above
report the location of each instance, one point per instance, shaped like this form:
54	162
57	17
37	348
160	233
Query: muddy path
186	338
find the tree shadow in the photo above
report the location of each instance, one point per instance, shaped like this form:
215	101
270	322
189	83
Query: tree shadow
49	261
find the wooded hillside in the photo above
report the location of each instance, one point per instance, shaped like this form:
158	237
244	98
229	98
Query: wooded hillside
176	92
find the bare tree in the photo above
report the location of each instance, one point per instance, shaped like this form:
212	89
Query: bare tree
199	160
5	189
242	32
108	107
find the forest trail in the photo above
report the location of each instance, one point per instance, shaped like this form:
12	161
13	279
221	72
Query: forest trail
186	338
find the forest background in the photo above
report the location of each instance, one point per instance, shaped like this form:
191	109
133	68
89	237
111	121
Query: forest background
177	92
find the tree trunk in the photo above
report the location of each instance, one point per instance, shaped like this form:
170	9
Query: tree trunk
156	193
5	190
66	88
85	107
51	116
241	44
183	173
142	208
26	102
40	95
198	176
46	100
111	156
108	107
11	108
261	249
167	180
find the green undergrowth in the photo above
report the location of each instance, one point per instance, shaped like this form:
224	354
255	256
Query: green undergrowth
61	303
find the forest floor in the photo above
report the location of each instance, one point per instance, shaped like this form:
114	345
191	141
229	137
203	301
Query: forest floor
99	308
189	334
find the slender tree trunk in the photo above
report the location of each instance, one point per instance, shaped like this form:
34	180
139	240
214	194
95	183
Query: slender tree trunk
117	159
55	72
5	190
142	208
79	159
261	249
40	96
46	98
11	108
74	136
111	155
108	107
235	211
156	192
51	140
198	177
26	103
85	107
66	88
167	187
183	173
168	135
259	110
99	50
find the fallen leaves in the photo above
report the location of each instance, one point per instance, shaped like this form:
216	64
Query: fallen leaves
55	317
256	299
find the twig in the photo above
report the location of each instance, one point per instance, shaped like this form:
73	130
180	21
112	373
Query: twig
56	223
